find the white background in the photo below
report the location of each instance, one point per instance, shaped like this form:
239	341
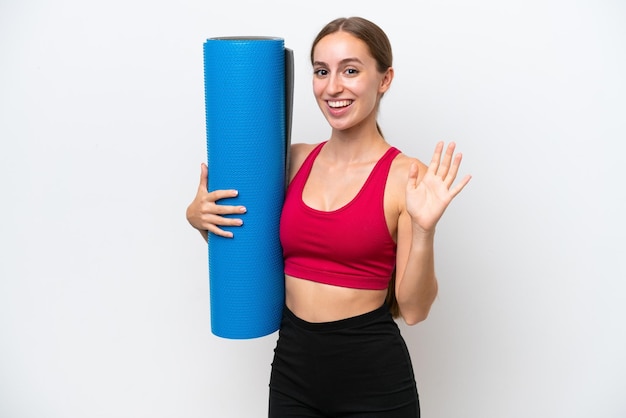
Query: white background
104	286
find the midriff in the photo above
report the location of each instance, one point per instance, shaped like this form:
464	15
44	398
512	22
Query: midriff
319	302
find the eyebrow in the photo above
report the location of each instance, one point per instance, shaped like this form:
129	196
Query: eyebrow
342	62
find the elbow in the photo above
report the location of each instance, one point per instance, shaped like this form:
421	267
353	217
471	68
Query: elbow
414	318
415	309
414	312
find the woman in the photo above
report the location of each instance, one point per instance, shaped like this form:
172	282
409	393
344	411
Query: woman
357	231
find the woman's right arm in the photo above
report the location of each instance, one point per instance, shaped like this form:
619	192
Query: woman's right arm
204	214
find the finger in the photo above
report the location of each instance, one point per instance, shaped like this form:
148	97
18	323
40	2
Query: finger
453	171
460	186
204	177
212	223
216	195
447	161
413	172
434	162
218	231
212	208
219	220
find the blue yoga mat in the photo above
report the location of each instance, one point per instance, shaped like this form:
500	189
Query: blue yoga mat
248	96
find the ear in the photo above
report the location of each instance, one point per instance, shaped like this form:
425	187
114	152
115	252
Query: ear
385	82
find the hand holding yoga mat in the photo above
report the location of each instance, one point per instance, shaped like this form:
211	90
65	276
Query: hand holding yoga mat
248	98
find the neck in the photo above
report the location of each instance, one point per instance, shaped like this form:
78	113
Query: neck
348	148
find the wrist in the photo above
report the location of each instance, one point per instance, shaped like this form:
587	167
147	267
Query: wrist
421	235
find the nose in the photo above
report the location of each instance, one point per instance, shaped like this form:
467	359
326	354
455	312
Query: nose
335	84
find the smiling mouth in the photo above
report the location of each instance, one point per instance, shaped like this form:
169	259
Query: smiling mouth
339	103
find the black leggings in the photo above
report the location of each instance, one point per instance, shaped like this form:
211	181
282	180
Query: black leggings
355	367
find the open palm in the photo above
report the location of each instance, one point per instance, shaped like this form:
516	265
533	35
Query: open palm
427	200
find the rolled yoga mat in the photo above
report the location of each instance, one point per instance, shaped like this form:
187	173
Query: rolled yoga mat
248	97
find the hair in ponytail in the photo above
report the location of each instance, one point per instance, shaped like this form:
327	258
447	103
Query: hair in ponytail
391	300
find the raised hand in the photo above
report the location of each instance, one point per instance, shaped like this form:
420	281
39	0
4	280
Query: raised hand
205	214
428	199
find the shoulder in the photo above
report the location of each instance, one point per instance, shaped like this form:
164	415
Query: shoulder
399	171
298	153
398	178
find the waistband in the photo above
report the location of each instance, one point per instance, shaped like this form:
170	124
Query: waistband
354	321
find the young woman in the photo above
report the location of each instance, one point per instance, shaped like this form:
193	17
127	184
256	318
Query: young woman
357	231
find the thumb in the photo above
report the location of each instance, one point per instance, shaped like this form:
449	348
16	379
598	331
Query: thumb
204	176
413	172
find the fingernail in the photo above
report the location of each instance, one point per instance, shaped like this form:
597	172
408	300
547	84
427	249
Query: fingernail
242	209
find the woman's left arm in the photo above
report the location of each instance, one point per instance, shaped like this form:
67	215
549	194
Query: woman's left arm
428	194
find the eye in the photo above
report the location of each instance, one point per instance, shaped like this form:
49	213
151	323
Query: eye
320	72
351	71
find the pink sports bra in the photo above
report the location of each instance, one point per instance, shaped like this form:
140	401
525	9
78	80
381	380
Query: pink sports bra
348	247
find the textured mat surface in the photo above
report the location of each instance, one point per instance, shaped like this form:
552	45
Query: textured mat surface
247	120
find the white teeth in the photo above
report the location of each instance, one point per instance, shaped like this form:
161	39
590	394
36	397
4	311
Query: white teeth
339	103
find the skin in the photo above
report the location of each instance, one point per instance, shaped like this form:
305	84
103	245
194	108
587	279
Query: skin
348	88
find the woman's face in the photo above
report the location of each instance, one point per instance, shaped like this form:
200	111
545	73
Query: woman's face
346	82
